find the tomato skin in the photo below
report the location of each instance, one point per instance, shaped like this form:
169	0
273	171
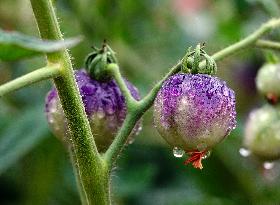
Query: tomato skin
194	111
104	105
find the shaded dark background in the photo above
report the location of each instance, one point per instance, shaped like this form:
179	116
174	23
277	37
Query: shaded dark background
149	36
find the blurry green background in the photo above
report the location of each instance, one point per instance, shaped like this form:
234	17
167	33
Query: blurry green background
149	36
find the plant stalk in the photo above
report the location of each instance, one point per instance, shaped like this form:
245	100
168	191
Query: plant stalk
91	168
266	44
38	75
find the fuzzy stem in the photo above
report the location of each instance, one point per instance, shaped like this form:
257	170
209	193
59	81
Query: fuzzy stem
246	42
115	72
38	75
266	44
92	170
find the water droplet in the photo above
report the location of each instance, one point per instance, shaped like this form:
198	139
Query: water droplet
130	141
51	120
138	130
225	91
110	111
264	116
206	155
177	152
52	109
100	114
244	152
268	165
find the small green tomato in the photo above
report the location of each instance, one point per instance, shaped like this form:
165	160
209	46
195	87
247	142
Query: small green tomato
262	132
268	80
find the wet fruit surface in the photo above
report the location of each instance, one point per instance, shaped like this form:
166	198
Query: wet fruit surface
104	105
194	112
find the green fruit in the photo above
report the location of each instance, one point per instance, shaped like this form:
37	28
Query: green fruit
268	80
262	132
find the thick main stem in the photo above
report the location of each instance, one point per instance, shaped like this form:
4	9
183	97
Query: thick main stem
91	168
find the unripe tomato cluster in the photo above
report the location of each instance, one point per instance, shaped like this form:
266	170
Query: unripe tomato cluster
193	112
262	129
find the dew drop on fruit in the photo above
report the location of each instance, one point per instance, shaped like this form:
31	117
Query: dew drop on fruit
138	130
177	152
268	165
244	152
206	155
100	114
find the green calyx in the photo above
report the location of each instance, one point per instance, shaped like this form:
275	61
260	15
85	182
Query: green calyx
192	59
96	62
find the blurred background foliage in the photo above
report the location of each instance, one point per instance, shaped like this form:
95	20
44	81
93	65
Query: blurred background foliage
149	36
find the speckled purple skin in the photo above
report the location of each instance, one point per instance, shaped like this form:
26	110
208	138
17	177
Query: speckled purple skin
104	106
194	112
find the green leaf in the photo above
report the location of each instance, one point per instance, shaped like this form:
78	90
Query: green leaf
20	136
14	45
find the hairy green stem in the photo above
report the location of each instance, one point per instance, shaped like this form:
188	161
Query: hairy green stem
91	168
115	72
246	42
38	75
266	44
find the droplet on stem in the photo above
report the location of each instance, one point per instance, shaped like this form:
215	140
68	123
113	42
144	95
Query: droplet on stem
131	140
177	152
268	165
244	152
206	155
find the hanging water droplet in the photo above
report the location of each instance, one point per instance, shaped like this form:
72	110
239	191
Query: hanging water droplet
206	155
268	165
244	152
177	152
